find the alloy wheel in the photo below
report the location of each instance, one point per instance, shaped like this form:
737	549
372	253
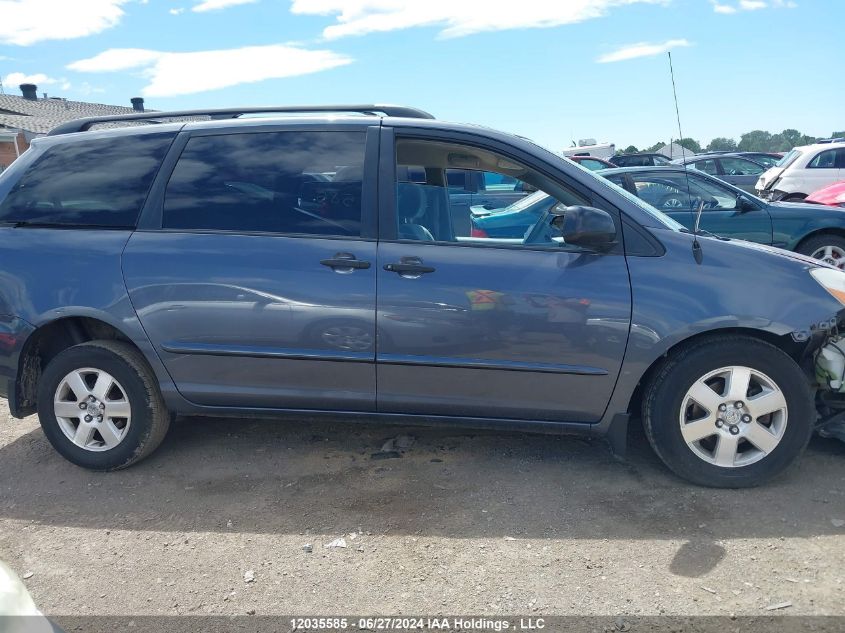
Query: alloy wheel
92	409
733	416
833	255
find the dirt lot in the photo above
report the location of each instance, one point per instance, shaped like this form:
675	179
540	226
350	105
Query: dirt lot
462	522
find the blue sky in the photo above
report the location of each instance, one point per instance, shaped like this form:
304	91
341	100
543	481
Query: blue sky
552	70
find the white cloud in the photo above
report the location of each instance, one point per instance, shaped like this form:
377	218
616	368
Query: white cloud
176	11
172	74
641	49
116	59
456	17
724	8
751	5
214	5
39	79
26	22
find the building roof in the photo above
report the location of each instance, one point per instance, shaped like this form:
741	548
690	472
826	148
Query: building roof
40	116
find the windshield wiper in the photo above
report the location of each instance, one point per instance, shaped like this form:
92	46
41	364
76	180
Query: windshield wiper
61	225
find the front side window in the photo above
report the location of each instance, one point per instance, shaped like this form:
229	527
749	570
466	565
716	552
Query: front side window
98	183
824	160
740	167
661	160
425	211
278	182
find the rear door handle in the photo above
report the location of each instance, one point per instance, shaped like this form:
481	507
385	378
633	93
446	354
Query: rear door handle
409	266
345	261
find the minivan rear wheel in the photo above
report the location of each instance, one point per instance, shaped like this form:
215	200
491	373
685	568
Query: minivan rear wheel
100	407
728	412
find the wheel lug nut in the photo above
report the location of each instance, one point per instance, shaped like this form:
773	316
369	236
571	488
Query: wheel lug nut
734	430
723	407
738	404
746	418
82	405
88	418
102	405
720	423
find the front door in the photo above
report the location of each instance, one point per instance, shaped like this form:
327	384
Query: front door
258	290
517	328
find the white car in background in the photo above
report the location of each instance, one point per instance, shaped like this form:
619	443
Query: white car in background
802	171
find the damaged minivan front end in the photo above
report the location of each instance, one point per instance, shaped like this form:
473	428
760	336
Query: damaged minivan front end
826	349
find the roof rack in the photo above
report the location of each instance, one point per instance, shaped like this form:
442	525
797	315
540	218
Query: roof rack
83	125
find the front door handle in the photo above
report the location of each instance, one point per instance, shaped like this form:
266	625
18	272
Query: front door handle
344	262
409	266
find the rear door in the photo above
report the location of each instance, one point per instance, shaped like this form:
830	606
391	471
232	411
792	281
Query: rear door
488	327
253	271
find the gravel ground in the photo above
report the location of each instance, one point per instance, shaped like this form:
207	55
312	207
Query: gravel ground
460	522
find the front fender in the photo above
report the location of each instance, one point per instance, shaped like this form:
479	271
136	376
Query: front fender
737	286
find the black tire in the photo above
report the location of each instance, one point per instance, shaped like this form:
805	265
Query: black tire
818	242
150	418
665	392
793	197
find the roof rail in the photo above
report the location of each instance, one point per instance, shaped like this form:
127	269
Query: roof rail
83	125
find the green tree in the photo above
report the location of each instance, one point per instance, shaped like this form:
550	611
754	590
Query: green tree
654	147
755	141
689	143
838	134
631	149
722	144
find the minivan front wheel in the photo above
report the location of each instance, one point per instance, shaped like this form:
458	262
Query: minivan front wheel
100	406
728	412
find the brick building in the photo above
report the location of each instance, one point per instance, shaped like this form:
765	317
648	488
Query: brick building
25	116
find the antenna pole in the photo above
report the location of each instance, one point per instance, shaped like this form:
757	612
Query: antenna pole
677	110
696	246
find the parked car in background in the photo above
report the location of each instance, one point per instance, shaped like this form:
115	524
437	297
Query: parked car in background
809	229
833	195
591	162
513	221
767	159
764	158
639	160
138	284
737	170
803	170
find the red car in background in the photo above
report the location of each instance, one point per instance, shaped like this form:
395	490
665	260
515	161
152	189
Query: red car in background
833	195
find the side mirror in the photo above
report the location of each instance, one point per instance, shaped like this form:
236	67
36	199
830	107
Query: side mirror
743	204
586	227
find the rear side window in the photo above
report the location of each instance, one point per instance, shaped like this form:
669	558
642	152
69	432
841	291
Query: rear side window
99	182
276	182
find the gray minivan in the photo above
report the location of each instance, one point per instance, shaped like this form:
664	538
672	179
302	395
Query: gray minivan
285	265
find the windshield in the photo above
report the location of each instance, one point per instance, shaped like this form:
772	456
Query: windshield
786	160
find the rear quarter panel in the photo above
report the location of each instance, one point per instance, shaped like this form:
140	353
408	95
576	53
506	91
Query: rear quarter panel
48	274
